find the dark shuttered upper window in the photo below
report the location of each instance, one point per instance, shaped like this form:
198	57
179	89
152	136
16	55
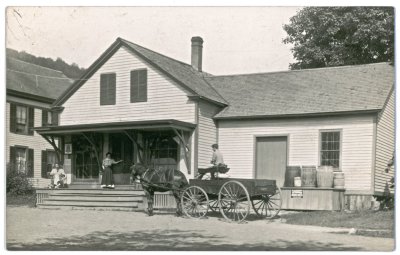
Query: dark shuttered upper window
107	88
22	119
49	118
139	85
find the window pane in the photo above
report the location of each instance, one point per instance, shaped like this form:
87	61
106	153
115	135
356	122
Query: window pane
330	149
20	160
21	114
49	115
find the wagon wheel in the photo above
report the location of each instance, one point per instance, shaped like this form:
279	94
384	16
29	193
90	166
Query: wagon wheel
214	206
194	202
268	206
234	201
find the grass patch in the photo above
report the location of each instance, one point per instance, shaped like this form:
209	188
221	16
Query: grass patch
361	220
21	200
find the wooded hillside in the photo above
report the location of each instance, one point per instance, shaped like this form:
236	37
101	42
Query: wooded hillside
70	70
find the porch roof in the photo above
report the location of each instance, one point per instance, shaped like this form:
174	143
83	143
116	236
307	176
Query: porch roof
115	126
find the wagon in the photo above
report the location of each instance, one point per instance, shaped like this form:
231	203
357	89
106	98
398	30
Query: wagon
232	197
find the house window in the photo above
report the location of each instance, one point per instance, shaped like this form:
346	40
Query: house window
21	119
49	118
330	148
49	158
139	85
22	123
21	159
107	88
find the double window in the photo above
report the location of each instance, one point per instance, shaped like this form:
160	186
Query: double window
330	146
138	87
21	119
21	160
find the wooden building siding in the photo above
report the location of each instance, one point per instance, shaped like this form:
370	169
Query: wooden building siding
166	99
35	142
237	137
207	132
385	141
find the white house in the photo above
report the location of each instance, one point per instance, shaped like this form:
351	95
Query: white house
144	106
31	89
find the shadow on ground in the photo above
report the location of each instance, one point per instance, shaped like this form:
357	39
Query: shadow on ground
167	240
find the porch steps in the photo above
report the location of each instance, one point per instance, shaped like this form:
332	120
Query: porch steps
97	186
95	199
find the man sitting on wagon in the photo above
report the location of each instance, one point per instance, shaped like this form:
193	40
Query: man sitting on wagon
217	164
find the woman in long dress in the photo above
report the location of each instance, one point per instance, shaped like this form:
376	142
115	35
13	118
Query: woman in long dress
107	180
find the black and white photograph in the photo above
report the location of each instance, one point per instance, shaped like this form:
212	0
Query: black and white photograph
199	128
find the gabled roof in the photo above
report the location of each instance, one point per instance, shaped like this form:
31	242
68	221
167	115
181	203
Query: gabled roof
310	91
31	79
180	72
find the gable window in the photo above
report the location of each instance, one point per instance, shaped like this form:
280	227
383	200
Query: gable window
21	119
330	148
107	88
21	159
139	85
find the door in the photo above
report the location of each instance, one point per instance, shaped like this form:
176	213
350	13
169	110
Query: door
86	167
121	148
271	156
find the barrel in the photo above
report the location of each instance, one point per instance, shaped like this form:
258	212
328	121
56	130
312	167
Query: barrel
338	180
308	176
291	172
325	177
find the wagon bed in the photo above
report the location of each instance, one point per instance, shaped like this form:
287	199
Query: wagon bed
232	197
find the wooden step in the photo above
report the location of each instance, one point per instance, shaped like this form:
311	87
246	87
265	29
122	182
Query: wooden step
96	191
98	186
96	197
100	208
91	203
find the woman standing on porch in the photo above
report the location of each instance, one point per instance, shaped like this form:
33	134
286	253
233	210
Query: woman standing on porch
107	181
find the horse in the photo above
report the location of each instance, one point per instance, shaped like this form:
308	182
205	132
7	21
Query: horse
161	181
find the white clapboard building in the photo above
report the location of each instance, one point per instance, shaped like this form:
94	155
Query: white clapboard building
146	107
31	90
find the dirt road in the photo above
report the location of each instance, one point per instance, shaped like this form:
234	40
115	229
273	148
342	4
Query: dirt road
40	229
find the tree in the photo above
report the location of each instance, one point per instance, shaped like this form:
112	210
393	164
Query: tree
335	36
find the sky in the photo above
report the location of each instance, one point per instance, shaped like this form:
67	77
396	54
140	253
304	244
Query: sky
236	39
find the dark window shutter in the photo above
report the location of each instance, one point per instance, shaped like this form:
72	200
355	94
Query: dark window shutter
139	85
112	87
143	85
44	164
44	118
30	164
13	117
54	118
12	157
107	88
31	120
103	89
134	89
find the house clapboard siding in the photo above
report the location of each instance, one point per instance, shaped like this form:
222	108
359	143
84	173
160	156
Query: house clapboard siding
384	144
237	137
35	142
207	132
166	99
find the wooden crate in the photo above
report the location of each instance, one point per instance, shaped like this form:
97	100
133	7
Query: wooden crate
302	198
